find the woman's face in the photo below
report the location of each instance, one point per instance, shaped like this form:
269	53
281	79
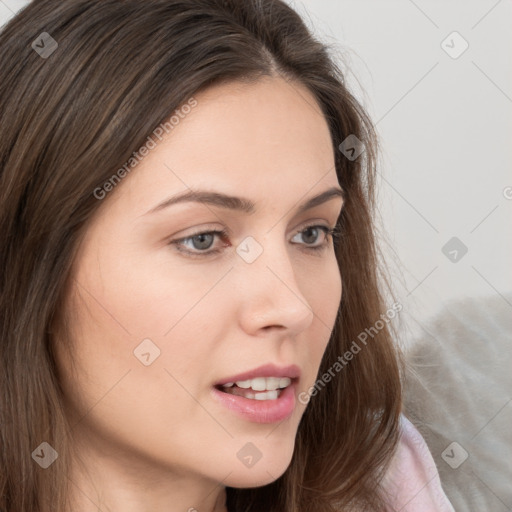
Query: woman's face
158	324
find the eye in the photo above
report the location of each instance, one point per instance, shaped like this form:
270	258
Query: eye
203	240
311	234
200	242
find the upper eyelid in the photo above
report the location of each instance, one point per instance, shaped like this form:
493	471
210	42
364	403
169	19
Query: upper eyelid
229	232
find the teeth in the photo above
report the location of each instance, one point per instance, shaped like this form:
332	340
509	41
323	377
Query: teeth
262	383
284	382
246	393
269	395
259	384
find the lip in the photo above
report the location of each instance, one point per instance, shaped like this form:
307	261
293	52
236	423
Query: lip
259	411
267	370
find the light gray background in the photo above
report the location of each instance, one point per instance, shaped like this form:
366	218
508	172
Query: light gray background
445	126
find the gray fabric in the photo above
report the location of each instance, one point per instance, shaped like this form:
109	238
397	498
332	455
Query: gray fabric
458	388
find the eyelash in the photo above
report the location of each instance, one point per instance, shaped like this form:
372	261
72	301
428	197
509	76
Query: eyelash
333	232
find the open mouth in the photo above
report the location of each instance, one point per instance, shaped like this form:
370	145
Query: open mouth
261	388
259	400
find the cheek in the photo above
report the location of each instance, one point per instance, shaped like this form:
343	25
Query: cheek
135	296
324	295
112	393
152	315
323	291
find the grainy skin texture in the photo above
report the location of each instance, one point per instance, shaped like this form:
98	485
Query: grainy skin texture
155	440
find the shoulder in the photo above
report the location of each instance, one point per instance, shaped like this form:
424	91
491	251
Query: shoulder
412	481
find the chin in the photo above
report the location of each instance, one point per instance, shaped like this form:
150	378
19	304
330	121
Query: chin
262	473
247	479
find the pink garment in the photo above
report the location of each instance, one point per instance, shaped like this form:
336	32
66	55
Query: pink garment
412	480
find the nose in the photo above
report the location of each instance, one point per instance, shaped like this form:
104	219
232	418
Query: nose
270	296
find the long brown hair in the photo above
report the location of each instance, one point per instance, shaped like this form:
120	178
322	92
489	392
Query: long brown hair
70	119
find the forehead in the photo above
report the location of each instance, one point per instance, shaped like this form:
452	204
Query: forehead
259	140
265	115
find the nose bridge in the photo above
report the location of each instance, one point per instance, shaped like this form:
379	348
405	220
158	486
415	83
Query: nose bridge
271	293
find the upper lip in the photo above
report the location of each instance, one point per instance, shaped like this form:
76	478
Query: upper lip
267	370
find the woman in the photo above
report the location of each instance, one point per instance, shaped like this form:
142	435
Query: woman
191	312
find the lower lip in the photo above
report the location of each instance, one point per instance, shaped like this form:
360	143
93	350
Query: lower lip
260	411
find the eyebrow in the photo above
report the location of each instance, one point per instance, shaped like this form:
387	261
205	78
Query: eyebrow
240	203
